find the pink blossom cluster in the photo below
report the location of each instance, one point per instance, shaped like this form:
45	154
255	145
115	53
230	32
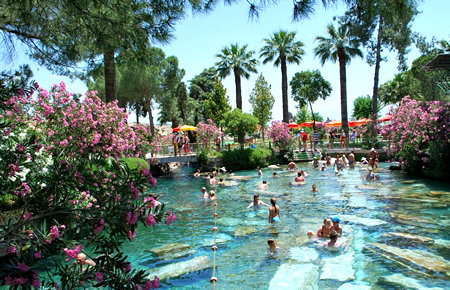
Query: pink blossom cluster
89	127
151	284
280	134
416	123
206	132
171	218
72	253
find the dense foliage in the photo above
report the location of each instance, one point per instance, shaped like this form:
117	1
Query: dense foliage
362	107
240	124
61	160
241	159
419	133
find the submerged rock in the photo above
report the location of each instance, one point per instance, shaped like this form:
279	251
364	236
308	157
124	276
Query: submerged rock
339	267
164	250
304	254
181	268
169	256
355	286
362	221
295	276
411	237
244	231
412	220
417	260
403	282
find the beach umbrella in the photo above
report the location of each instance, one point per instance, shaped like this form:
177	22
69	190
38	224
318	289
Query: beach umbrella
294	126
358	122
184	128
385	118
309	124
334	124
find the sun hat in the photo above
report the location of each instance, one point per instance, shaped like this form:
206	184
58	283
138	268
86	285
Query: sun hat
336	219
373	149
363	159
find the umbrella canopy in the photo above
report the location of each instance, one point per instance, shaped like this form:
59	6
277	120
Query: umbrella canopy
385	118
334	124
184	128
309	124
358	122
294	126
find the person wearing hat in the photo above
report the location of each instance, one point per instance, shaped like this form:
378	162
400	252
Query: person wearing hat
336	227
204	193
371	175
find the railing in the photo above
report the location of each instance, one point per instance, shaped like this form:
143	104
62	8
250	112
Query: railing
322	145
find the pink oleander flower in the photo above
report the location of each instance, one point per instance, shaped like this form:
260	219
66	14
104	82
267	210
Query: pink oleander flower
171	218
72	254
37	255
54	232
150	220
99	277
27	215
127	267
156	282
131	234
36	283
23	267
12	250
99	226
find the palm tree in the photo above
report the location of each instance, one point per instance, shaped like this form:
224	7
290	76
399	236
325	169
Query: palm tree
339	46
282	47
238	60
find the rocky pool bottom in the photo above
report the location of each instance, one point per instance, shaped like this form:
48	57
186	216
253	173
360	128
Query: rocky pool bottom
396	229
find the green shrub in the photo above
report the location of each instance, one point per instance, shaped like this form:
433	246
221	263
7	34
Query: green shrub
133	162
202	158
240	159
9	201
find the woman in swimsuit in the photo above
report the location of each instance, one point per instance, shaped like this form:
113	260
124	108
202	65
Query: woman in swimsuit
274	211
324	230
338	163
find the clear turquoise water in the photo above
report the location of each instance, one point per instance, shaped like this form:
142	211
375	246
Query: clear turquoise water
404	204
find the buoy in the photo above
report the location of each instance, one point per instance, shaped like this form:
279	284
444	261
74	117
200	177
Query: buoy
213	280
215	204
216	214
214	248
214	229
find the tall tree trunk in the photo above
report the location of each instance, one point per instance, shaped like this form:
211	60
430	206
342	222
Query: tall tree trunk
150	116
314	119
237	81
110	75
375	79
284	89
343	80
138	111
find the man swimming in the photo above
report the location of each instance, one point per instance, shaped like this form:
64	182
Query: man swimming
371	175
272	246
274	211
314	188
299	177
205	194
263	185
333	243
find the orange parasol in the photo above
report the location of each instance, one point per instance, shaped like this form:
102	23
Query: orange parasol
309	124
334	124
358	122
385	118
294	126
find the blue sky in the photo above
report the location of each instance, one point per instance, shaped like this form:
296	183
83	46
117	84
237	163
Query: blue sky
198	38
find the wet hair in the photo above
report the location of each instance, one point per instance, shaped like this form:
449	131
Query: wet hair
211	176
264	182
231	171
212	193
274	173
299	173
256	195
333	235
203	188
270	242
314	185
273	201
220	179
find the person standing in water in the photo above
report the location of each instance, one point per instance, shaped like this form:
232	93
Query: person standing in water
263	185
256	202
351	160
274	211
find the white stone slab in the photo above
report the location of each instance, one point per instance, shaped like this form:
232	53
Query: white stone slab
295	276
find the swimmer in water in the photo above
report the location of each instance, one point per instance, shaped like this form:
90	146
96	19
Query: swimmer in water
323	167
299	177
221	182
292	166
260	174
274	211
371	175
336	227
333	243
212	195
212	180
274	174
205	194
256	202
263	185
272	246
197	174
314	188
324	231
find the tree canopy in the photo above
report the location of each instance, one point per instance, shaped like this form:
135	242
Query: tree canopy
262	101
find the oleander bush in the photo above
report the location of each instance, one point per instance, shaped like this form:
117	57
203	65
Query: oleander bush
241	159
64	172
419	134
